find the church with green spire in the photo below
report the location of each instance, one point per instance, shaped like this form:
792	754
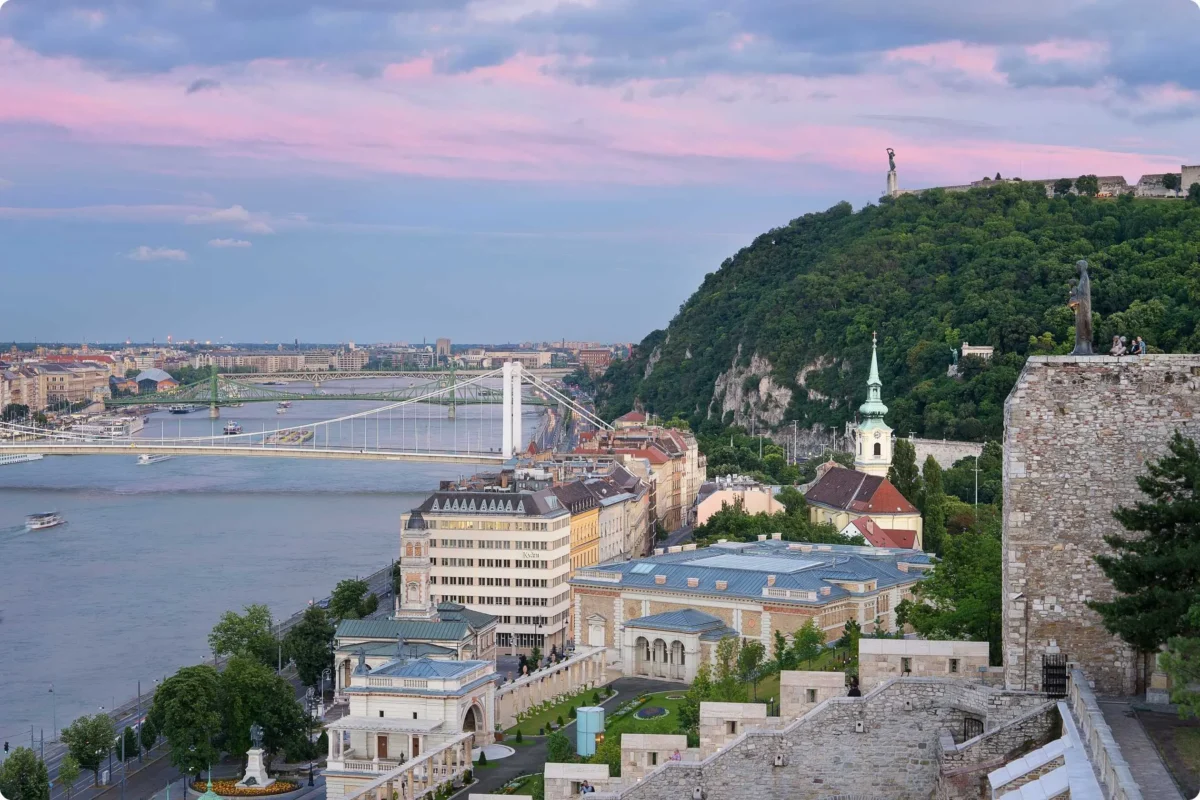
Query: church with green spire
872	437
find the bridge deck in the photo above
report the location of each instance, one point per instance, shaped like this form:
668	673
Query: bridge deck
253	450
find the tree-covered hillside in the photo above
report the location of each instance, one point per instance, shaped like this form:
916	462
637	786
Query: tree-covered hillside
782	331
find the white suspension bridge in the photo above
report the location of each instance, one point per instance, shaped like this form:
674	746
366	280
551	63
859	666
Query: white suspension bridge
369	435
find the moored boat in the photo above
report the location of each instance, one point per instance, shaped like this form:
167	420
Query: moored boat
232	429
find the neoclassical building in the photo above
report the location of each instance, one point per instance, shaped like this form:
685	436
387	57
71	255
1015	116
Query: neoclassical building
663	616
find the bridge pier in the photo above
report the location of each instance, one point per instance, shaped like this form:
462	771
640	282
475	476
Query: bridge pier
450	414
214	412
316	383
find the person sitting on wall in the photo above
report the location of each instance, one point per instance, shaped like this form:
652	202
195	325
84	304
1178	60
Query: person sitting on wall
854	690
675	756
1118	346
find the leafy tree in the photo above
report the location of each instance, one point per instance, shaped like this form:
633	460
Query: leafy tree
148	734
750	659
89	739
1087	185
558	747
793	500
252	693
1181	662
13	412
851	635
1062	187
1157	571
781	652
960	598
934	505
187	712
246	634
689	710
808	642
1194	193
349	599
733	523
903	472
609	752
535	657
1172	182
959	480
68	774
129	747
310	644
23	776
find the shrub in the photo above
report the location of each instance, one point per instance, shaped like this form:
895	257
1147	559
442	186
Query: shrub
572	713
520	738
559	720
468	776
595	698
483	759
542	731
558	748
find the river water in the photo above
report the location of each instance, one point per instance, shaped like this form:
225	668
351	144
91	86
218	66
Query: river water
153	555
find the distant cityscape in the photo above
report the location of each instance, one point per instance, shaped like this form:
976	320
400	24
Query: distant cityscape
51	377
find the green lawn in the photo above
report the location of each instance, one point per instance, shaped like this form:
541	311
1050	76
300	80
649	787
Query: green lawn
768	687
531	784
530	725
631	724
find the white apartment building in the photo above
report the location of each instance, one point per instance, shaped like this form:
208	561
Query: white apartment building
503	553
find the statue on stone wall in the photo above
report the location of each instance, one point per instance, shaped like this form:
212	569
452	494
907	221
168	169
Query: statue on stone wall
1081	302
891	159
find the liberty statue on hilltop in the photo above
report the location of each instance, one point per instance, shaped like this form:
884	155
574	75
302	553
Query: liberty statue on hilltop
893	183
891	160
1081	301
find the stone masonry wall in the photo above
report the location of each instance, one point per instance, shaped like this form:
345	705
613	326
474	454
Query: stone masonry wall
965	767
826	754
1077	431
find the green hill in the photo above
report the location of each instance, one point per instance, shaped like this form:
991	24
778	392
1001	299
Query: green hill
782	331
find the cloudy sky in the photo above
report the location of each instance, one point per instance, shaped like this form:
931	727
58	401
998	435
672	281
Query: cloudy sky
513	169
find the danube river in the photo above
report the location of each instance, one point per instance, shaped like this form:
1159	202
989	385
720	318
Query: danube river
152	555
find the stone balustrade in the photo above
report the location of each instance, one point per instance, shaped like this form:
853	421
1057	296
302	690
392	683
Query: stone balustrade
1115	777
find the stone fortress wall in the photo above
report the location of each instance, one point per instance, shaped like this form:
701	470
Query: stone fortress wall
1110	185
1071	457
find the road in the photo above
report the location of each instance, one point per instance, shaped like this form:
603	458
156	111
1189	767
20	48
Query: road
155	771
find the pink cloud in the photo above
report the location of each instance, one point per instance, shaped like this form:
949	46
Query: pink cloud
1067	50
517	121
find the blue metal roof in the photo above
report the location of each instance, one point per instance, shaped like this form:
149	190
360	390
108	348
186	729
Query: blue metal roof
688	619
402	629
814	570
427	668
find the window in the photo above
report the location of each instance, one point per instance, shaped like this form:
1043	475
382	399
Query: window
906	665
812	695
654	759
878	449
731	727
954	666
381	712
414	715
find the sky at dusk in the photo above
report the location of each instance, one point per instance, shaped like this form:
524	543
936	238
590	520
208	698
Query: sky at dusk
495	170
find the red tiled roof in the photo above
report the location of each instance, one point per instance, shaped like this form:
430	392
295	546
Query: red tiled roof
884	537
859	492
72	359
632	416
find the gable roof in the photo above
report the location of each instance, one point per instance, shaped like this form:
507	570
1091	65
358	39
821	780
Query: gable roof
688	619
884	537
631	416
848	490
455	612
409	630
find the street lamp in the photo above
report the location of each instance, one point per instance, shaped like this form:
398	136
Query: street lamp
54	713
312	707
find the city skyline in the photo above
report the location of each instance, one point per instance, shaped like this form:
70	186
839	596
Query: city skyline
334	166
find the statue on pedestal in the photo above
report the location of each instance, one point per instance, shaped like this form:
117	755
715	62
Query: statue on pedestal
1081	301
256	770
891	160
893	183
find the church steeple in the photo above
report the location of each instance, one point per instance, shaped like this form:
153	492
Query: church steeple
873	438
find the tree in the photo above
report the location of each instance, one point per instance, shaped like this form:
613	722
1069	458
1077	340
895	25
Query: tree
934	505
68	774
13	412
1181	662
251	693
1172	182
349	599
89	739
23	776
1194	193
535	657
129	744
783	655
1087	185
689	710
1157	571
903	472
310	644
808	642
1062	187
187	712
148	734
558	747
750	659
960	598
246	634
793	501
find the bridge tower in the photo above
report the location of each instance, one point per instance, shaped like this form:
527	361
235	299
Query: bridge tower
506	436
517	440
453	384
213	411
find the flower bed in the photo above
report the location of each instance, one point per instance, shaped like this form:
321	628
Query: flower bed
650	712
231	789
677	697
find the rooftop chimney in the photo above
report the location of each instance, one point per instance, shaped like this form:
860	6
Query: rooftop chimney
762	537
770	580
825	591
722	585
777	536
693	583
660	579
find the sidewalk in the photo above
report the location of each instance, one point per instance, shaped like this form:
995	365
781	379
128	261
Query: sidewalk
1139	752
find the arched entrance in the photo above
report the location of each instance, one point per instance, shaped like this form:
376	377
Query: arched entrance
642	656
470	721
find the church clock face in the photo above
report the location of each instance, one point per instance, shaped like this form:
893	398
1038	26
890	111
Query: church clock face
878	434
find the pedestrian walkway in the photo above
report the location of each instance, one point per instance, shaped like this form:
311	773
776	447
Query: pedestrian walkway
1139	752
531	758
